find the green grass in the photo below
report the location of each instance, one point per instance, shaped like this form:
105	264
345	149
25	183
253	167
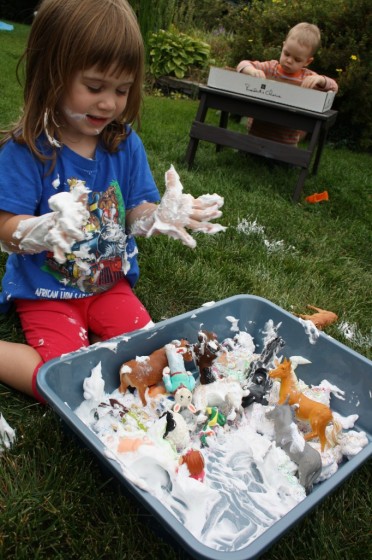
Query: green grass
55	501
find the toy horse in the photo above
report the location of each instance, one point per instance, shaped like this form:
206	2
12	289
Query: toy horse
288	437
317	414
321	319
211	391
145	371
206	351
266	358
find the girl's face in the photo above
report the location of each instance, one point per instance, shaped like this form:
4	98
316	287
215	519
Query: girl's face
294	56
93	101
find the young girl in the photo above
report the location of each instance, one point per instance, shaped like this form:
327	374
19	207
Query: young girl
70	272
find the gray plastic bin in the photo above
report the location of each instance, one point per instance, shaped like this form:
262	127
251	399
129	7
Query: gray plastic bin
60	381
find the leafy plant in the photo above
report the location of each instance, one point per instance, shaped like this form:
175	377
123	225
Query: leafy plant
159	16
172	53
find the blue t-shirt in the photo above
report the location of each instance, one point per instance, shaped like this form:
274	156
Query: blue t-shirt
117	182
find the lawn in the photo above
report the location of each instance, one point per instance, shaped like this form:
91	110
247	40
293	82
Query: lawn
55	500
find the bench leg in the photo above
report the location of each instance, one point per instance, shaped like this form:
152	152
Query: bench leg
191	151
194	142
300	184
316	140
224	119
319	151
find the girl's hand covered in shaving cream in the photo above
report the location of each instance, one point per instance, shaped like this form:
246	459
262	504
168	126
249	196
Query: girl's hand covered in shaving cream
178	211
58	230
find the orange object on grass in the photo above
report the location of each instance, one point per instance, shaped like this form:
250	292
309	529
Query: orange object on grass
317	197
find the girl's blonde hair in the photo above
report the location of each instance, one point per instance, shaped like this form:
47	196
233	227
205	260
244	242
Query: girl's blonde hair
68	36
306	34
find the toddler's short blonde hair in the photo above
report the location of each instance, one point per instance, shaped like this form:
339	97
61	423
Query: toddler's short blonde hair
306	34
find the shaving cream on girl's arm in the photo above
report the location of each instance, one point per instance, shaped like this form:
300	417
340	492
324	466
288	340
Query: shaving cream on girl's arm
178	211
58	230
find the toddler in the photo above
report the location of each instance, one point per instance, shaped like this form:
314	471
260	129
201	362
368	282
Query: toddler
298	51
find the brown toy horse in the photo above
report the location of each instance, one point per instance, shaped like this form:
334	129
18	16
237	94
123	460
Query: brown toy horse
146	371
206	351
321	319
317	414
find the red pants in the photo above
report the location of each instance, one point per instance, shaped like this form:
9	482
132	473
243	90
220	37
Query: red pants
56	327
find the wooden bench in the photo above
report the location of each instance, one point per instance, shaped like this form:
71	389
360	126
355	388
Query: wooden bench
315	124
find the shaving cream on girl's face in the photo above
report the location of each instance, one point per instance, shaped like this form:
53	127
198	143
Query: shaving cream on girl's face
72	115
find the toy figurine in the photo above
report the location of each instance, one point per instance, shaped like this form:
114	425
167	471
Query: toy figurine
183	398
175	374
214	418
267	357
145	371
289	438
132	444
206	350
176	430
225	392
258	388
321	318
317	414
194	461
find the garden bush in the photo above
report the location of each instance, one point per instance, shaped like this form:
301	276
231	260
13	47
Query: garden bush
153	16
260	27
206	16
172	53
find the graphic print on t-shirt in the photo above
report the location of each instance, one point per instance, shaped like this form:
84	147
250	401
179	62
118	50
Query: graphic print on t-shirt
99	260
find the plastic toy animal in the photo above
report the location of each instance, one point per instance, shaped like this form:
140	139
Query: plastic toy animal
183	398
132	444
267	357
206	351
317	414
175	374
289	438
321	318
214	418
176	430
223	393
144	371
258	388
